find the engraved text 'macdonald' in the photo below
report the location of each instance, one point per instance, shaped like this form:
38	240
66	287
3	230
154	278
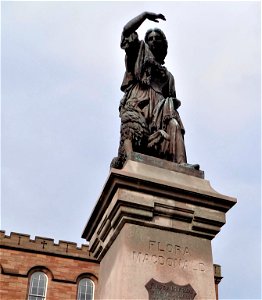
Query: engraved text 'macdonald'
168	254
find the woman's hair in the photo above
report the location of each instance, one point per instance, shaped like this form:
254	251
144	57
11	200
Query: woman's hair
164	44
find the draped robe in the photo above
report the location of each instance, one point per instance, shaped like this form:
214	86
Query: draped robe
149	86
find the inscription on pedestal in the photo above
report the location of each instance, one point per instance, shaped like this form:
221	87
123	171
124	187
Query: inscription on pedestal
169	291
169	255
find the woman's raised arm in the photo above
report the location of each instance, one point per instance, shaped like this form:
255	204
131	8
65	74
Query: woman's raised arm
135	23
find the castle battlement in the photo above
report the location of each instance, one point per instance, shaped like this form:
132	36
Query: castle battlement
44	245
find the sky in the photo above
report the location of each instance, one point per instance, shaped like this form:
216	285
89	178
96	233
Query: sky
61	70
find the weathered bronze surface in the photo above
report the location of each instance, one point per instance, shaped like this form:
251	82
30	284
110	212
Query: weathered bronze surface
150	122
169	291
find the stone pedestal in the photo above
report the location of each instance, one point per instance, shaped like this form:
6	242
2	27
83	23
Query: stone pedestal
151	230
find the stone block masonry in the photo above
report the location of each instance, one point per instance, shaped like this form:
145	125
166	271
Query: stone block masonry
64	264
151	230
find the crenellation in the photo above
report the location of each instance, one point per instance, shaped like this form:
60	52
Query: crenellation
19	237
43	244
84	248
67	242
41	239
17	234
2	233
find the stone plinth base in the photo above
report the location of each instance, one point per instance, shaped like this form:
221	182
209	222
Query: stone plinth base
141	253
156	223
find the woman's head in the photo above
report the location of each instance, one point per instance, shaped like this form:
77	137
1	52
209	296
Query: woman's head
157	42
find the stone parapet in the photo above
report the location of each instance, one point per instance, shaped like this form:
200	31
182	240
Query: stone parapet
19	262
23	242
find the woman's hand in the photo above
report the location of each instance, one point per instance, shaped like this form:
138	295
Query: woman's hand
154	17
134	24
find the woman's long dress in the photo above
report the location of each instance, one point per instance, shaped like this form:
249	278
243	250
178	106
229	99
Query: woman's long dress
149	87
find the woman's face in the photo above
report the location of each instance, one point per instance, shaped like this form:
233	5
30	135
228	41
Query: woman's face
156	45
154	41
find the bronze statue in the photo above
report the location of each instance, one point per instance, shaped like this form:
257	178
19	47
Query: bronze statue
150	122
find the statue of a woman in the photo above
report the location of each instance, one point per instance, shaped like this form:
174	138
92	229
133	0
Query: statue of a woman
150	122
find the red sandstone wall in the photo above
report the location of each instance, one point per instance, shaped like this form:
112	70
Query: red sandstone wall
62	275
12	287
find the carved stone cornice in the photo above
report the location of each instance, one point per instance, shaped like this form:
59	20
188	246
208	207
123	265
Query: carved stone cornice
155	197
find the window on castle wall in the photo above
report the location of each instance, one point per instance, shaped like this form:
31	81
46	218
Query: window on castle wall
86	289
38	286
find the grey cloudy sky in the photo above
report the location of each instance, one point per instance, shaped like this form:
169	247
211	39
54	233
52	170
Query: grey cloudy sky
61	72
